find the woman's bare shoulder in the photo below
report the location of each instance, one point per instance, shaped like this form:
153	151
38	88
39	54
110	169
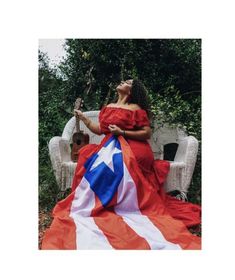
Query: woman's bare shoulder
134	107
111	105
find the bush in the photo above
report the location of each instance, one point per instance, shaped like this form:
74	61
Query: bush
52	118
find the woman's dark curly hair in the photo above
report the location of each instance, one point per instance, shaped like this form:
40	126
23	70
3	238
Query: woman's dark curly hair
139	96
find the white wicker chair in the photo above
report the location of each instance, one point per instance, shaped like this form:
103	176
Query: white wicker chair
181	169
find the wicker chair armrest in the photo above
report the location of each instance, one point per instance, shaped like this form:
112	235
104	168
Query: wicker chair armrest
55	156
175	176
187	153
59	151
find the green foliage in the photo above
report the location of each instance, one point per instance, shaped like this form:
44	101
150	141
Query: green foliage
52	118
95	66
48	189
170	69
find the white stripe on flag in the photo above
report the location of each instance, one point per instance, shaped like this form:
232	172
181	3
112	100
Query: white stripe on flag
127	207
88	235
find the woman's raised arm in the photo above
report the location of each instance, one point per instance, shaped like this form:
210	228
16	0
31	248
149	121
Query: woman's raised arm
93	127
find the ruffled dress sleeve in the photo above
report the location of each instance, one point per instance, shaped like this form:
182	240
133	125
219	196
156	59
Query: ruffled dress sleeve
102	113
141	118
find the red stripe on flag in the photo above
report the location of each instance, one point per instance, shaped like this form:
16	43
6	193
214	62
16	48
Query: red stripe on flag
62	233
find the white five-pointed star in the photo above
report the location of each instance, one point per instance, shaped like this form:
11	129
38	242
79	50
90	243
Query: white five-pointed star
105	155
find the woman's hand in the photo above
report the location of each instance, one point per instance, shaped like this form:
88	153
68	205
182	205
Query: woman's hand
92	126
79	114
115	130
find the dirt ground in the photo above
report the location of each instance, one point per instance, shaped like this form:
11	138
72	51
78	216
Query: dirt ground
45	220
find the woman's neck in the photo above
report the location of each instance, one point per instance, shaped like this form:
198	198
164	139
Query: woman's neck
122	100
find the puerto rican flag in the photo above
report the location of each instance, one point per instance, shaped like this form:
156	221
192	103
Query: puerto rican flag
113	206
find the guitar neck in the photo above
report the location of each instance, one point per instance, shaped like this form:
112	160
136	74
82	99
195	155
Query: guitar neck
78	125
77	107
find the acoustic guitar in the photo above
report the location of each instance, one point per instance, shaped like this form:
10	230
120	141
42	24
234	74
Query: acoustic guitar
80	139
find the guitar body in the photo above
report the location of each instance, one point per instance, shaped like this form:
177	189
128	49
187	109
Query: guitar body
79	138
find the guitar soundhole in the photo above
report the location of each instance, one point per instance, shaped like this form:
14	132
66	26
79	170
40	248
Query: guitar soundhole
78	142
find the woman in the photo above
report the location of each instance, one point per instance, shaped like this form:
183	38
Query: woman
117	199
127	118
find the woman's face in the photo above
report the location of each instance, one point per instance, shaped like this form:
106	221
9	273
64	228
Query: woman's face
125	86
